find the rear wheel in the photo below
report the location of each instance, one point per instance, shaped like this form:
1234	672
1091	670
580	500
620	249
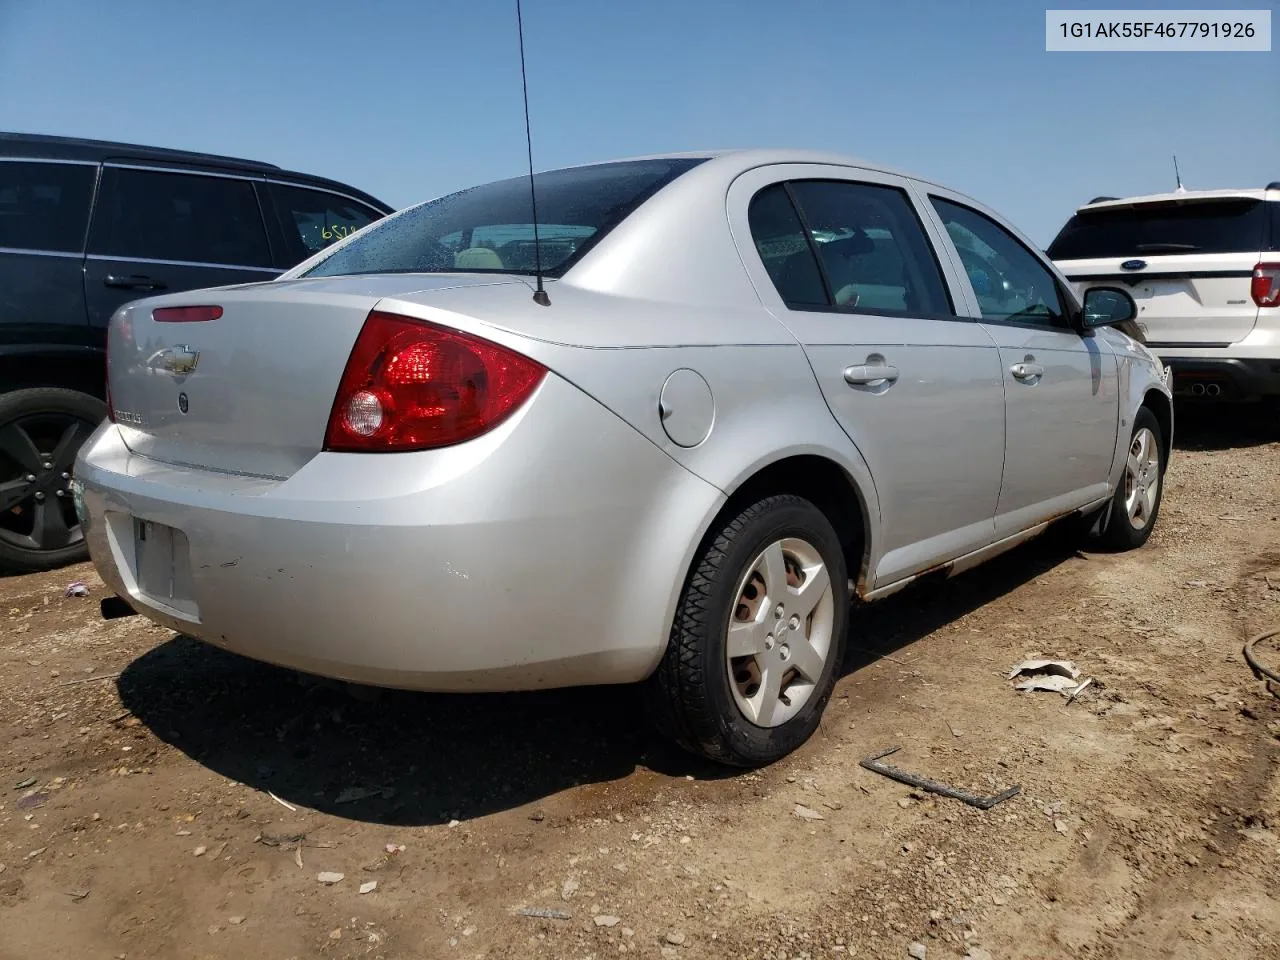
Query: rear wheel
1137	499
758	636
41	430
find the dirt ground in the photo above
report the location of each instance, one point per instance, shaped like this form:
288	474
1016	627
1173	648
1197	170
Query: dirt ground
140	774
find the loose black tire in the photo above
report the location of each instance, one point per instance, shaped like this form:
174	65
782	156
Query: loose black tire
689	696
1122	533
38	419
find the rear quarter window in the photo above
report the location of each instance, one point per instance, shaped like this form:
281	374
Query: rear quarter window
314	219
45	206
1162	229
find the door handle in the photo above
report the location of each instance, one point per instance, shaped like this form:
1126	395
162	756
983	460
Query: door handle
135	282
869	374
1027	371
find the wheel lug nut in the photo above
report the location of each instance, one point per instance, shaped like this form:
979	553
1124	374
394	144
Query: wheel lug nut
66	476
795	623
48	466
768	642
784	651
31	478
58	492
778	612
40	495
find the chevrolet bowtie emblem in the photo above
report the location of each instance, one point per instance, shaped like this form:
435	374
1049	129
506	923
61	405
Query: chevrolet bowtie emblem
180	359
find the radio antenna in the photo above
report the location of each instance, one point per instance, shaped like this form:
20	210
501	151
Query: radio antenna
1177	175
540	294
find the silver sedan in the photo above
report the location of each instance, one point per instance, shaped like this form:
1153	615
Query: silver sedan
669	441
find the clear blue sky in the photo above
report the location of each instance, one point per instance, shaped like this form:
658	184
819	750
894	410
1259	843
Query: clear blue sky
410	99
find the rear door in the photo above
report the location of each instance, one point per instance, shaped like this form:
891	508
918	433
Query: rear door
311	219
44	210
1187	262
165	231
843	258
1061	388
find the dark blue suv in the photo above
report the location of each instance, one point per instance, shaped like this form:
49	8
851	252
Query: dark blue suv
86	226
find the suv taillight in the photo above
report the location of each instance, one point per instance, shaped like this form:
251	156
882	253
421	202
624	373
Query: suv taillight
410	385
1266	285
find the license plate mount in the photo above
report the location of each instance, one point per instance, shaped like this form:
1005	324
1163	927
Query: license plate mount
162	566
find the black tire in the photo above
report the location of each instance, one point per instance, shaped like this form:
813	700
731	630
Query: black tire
690	696
41	430
1122	532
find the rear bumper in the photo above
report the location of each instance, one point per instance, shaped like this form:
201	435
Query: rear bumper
547	553
1224	378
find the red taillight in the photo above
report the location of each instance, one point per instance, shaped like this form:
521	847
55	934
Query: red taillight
410	385
185	314
1266	285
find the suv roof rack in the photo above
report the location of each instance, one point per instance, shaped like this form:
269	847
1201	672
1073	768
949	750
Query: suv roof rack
1100	199
98	150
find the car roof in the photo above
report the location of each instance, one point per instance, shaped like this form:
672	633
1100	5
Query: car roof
1270	192
747	158
47	147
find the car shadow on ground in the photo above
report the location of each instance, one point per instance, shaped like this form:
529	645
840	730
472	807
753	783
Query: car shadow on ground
403	758
1212	426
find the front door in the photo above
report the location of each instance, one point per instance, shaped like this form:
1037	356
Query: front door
1061	386
165	232
917	390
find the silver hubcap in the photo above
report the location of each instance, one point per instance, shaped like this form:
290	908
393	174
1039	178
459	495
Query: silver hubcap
779	632
1142	479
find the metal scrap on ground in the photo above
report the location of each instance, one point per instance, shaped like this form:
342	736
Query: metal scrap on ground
543	913
933	786
1260	671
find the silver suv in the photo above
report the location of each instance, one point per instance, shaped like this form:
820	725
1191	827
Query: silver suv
1204	269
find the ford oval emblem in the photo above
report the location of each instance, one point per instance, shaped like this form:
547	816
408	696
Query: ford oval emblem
1133	265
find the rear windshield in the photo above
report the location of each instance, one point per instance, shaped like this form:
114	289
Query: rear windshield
489	229
1231	226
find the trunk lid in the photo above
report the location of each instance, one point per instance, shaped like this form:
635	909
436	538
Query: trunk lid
1187	261
250	392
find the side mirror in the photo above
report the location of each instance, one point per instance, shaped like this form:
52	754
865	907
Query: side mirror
1107	307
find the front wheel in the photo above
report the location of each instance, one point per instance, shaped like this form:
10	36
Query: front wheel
758	637
1137	499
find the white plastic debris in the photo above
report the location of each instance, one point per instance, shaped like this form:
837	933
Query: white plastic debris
1054	684
369	886
77	589
1061	668
807	813
330	877
1054	676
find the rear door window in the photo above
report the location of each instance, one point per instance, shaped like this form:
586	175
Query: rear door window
1161	229
313	219
179	217
45	206
875	255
